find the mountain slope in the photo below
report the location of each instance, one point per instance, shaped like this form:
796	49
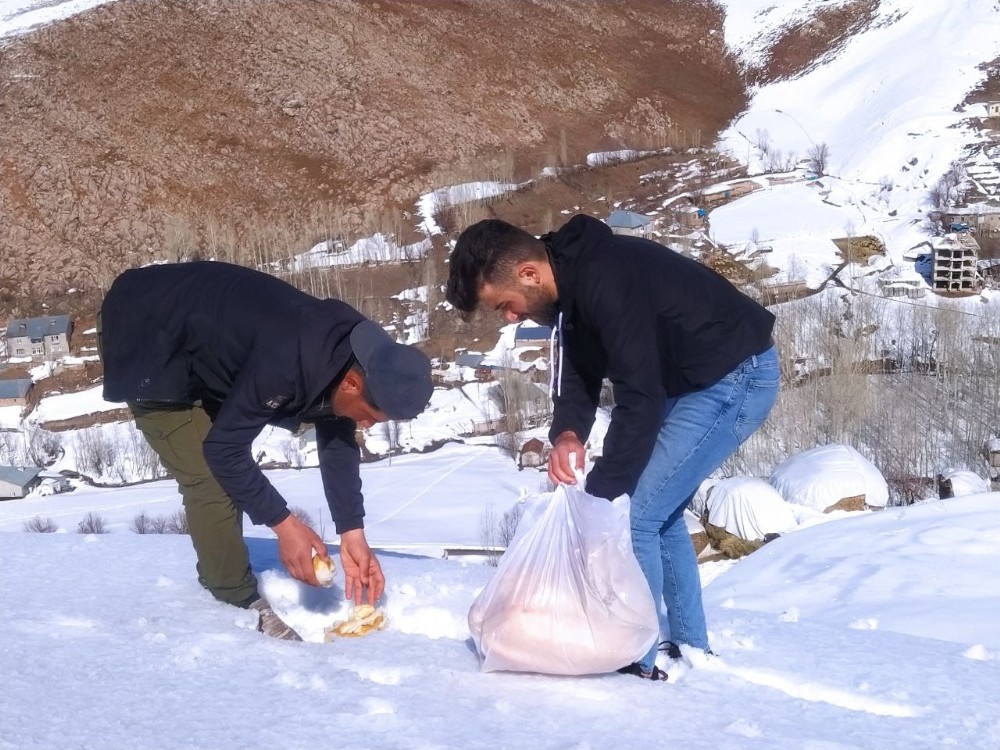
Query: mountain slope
140	124
892	103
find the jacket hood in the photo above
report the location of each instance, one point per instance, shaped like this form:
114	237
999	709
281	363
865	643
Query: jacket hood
568	247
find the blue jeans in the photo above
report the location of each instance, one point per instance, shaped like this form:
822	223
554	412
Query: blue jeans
700	430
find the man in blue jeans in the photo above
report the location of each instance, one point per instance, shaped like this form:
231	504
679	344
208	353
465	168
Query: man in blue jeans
690	358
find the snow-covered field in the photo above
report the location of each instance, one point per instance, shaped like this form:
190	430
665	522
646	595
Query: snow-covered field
873	631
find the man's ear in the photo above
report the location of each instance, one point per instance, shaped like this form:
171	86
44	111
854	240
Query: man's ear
352	383
528	273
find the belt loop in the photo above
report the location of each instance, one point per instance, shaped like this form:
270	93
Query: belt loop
753	360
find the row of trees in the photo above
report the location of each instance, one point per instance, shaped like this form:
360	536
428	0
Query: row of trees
915	388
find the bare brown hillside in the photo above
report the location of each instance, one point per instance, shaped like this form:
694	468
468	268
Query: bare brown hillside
139	127
805	44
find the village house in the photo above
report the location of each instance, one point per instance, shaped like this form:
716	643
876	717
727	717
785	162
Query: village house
53	483
991	452
532	454
39	338
17	482
630	223
482	372
993	109
532	332
989	271
690	217
728	191
15	392
981	219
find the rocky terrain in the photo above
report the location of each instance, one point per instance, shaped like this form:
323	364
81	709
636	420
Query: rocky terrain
143	130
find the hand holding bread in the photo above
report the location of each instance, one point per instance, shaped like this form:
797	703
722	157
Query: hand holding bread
324	568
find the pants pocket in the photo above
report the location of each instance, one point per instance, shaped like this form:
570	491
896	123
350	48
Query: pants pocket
758	400
160	425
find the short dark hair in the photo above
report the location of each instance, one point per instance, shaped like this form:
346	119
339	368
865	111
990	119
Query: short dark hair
485	252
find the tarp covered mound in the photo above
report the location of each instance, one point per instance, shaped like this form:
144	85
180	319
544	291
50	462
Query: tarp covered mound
965	482
823	476
699	501
749	508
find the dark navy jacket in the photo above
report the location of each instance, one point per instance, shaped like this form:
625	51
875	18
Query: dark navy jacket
655	323
253	351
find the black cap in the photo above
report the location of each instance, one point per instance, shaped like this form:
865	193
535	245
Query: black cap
398	376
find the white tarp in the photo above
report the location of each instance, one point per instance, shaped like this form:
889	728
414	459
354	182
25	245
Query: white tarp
750	508
699	501
965	482
820	477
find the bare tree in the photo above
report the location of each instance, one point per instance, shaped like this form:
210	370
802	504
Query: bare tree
143	523
497	530
819	158
510	395
41	525
92	523
44	448
177	523
762	140
390	433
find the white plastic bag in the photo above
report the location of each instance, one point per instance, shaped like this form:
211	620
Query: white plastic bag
568	597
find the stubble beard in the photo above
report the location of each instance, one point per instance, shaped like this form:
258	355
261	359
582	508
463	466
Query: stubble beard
542	309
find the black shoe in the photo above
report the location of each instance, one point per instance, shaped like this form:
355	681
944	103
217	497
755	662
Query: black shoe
654	674
245	604
671	649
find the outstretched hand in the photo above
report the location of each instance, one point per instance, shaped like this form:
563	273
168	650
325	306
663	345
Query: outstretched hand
296	542
361	567
567	457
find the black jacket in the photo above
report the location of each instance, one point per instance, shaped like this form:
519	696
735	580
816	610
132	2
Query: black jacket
655	323
253	351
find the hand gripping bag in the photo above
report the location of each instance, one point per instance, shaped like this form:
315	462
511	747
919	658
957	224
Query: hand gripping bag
568	597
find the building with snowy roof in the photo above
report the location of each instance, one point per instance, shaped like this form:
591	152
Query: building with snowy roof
16	482
630	223
15	392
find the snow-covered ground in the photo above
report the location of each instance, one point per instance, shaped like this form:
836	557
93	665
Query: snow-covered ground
873	631
19	16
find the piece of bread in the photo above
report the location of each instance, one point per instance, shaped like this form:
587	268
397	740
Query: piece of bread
325	568
363	620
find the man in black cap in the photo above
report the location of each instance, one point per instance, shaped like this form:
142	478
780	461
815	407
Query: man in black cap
206	354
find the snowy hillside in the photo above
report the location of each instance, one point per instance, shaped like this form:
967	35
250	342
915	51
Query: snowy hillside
888	105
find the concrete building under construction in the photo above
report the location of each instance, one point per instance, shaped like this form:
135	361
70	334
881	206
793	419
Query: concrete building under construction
955	257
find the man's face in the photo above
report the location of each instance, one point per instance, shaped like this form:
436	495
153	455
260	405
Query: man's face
518	302
349	401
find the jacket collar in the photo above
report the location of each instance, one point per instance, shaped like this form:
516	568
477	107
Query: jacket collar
567	248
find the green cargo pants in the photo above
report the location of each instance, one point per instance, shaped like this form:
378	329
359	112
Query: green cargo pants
176	432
